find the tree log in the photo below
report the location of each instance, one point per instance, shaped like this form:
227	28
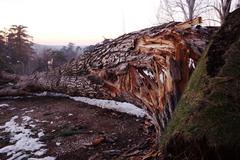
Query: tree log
148	68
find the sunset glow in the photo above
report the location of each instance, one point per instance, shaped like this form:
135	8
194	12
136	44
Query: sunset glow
79	21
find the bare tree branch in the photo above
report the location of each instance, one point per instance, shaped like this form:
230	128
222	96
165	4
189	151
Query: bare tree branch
223	9
189	9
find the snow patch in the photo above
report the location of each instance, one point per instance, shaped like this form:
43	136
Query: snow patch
28	111
26	118
114	105
40	134
109	104
58	143
40	152
11	84
32	125
50	94
23	143
4	105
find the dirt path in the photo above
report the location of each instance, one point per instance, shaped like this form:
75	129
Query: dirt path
75	130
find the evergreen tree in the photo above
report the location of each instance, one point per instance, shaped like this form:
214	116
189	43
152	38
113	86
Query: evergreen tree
20	45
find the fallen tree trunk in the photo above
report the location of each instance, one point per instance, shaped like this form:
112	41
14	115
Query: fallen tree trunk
148	68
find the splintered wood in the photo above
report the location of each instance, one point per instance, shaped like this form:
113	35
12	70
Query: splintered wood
148	68
157	65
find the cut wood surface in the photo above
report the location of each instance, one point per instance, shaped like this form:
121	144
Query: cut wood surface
148	68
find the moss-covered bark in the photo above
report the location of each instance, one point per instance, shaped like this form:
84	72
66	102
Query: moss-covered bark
206	122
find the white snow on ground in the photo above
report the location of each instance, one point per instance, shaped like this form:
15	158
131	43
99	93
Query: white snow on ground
28	111
109	104
23	141
45	93
4	105
40	134
58	143
114	105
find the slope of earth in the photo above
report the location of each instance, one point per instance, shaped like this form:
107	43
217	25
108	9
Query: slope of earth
66	129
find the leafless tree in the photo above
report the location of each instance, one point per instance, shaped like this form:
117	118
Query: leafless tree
171	10
165	11
223	8
189	9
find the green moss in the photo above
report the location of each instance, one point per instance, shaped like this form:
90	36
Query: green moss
210	105
232	61
187	104
197	76
70	131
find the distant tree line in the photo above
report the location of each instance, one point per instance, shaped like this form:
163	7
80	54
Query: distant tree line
51	58
17	54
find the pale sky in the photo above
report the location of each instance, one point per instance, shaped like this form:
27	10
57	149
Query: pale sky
82	22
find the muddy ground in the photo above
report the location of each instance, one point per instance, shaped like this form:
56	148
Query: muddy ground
75	130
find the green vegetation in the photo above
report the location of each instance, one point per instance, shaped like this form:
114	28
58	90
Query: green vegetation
210	106
206	122
69	132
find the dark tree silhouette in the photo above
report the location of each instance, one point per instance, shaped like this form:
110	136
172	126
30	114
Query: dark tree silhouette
2	42
69	51
20	44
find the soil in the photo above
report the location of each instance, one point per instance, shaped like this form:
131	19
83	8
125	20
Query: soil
75	130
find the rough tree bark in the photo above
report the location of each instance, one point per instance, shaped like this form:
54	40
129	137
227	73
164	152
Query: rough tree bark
205	124
148	68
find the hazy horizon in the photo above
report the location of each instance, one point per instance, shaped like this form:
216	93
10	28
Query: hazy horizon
58	22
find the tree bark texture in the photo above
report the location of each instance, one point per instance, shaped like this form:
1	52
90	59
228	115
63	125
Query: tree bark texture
205	124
